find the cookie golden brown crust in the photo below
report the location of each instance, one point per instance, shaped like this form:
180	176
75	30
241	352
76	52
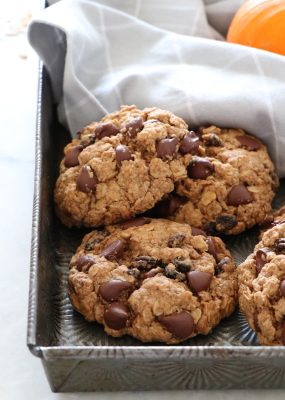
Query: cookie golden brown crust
122	166
156	280
261	282
228	189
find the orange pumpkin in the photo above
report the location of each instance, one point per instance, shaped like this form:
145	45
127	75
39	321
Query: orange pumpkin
260	24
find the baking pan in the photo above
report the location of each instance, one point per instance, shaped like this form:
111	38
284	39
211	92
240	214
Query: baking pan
78	355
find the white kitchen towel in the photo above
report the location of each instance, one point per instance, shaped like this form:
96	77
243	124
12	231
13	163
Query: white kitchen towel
171	54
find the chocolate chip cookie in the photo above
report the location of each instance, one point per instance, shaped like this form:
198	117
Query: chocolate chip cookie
261	282
273	219
122	166
154	279
230	185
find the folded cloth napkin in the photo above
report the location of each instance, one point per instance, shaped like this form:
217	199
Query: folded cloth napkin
171	54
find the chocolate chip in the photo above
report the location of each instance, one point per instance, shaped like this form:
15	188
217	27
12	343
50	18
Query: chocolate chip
171	272
166	148
239	195
116	316
86	181
190	143
84	262
114	250
200	168
122	154
182	265
282	288
111	291
261	258
176	240
197	231
225	222
71	157
199	281
279	246
212	248
167	207
134	126
106	129
180	325
219	267
211	139
248	142
283	334
145	262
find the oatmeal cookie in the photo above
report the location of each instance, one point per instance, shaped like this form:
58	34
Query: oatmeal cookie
273	219
261	282
154	279
122	166
228	189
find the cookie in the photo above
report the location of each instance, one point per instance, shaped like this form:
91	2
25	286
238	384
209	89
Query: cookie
154	279
261	282
229	188
122	166
273	219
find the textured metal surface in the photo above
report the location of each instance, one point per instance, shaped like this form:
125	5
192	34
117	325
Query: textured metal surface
79	356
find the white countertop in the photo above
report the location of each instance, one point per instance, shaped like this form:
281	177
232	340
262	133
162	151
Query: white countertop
21	374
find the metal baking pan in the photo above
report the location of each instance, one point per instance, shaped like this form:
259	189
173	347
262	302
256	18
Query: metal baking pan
78	355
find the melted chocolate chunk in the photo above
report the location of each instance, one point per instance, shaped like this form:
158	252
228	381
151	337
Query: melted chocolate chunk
134	126
180	324
116	316
106	129
112	290
114	250
166	148
84	262
199	281
190	143
122	154
261	258
86	181
71	157
212	248
239	195
249	143
200	168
